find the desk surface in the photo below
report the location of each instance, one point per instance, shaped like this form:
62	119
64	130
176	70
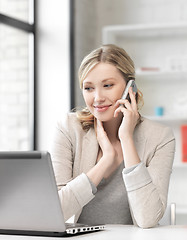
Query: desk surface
121	232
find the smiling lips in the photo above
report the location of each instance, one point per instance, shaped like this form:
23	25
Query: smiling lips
103	108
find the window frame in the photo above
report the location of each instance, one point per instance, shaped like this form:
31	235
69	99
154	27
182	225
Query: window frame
72	53
28	28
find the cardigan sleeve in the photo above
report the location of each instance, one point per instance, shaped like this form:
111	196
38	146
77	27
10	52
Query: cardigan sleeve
147	184
73	193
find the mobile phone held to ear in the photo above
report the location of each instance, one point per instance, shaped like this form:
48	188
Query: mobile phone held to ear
132	84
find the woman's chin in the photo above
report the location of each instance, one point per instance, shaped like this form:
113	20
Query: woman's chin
104	118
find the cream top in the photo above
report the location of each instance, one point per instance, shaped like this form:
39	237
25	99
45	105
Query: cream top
74	153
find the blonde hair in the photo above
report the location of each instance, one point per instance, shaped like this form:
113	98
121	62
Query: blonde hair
111	54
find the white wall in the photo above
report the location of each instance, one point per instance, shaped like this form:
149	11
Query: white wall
142	12
52	66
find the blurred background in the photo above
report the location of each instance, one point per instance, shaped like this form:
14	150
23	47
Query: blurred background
42	44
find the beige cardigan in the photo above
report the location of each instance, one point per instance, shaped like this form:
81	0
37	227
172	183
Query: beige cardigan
74	152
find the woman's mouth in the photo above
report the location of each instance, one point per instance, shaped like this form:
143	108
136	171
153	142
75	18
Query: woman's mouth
101	108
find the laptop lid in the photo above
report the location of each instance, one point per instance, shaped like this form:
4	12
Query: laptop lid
29	199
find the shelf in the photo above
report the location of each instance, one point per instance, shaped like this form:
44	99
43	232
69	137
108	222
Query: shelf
159	54
179	166
145	31
168	118
155	75
181	209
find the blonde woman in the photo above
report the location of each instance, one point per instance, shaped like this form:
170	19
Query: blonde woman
112	166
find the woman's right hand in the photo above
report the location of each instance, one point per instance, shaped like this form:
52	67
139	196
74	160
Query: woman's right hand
108	151
106	163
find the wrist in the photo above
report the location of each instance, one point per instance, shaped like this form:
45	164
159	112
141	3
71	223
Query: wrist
109	153
126	138
97	173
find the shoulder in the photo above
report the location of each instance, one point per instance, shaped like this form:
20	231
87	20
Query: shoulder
154	130
72	120
69	123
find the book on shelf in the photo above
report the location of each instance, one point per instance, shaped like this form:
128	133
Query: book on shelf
184	142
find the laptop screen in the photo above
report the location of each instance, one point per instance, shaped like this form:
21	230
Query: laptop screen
29	198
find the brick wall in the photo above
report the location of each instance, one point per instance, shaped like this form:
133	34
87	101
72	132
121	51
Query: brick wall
14	80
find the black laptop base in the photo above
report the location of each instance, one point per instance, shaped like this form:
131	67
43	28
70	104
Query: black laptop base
32	233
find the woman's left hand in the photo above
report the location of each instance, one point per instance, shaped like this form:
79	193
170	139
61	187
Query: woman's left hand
130	115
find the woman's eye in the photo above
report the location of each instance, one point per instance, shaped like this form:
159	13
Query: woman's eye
88	88
108	85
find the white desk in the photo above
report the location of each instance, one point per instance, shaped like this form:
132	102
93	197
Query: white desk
121	232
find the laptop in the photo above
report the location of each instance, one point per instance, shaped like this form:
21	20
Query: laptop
29	201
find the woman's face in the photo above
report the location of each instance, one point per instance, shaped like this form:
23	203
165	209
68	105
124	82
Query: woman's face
102	87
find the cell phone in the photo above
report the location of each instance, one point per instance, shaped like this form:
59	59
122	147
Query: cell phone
132	84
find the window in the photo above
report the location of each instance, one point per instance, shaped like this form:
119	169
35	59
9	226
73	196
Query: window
17	75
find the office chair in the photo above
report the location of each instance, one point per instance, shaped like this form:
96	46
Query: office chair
169	217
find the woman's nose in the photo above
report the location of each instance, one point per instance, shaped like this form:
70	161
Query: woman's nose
99	97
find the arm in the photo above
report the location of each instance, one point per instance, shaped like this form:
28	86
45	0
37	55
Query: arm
126	129
73	193
147	186
107	162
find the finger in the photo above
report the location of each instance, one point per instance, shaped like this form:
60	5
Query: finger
124	103
120	109
100	129
102	137
99	125
133	99
121	102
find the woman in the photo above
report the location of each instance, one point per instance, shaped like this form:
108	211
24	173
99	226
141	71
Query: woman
111	164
